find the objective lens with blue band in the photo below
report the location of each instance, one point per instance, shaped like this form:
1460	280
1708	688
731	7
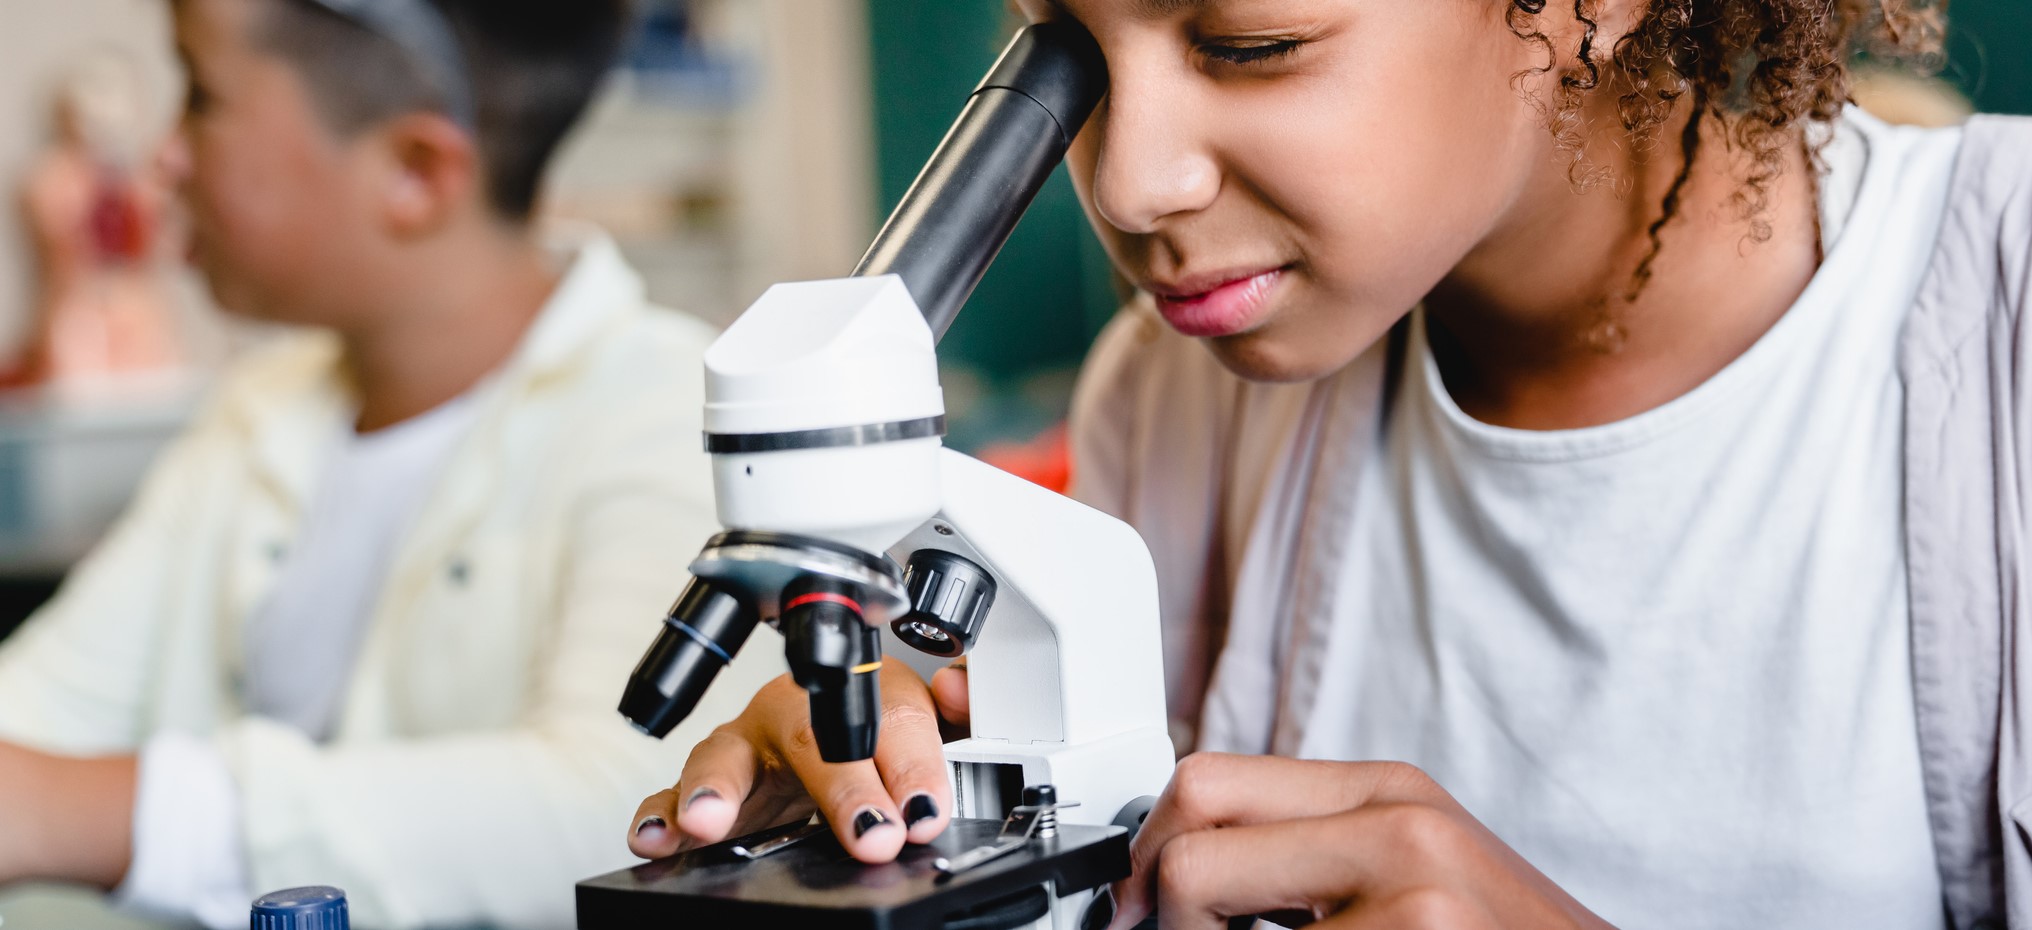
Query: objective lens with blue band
701	636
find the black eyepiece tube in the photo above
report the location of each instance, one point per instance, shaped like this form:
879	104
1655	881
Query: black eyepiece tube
998	154
702	634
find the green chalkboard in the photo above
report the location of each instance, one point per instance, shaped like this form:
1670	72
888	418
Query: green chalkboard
1990	53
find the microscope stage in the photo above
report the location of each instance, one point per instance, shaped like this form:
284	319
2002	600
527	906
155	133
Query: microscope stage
816	885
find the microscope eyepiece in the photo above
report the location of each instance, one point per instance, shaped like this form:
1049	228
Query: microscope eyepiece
700	636
1012	134
836	656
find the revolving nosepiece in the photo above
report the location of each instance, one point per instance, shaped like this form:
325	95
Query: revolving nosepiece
701	635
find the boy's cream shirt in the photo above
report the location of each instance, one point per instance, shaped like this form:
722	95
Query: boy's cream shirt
479	767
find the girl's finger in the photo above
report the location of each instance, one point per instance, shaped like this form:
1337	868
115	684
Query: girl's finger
910	757
654	835
1313	865
717	780
949	693
1212	790
852	796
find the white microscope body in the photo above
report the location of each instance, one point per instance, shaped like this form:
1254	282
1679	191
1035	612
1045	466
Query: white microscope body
1066	679
824	419
1067	675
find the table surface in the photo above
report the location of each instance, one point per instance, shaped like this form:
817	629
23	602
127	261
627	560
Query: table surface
45	907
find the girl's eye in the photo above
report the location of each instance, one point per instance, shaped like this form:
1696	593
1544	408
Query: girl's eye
196	100
1249	52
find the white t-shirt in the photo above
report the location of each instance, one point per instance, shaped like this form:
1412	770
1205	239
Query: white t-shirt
302	641
301	645
1668	659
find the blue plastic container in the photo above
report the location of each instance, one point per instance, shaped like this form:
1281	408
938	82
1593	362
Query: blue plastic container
316	907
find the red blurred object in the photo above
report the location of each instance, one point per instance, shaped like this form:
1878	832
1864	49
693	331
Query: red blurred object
120	229
1045	460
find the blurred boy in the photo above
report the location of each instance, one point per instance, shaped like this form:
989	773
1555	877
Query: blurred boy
368	620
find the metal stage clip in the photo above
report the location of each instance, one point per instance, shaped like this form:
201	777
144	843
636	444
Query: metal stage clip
1037	817
811	828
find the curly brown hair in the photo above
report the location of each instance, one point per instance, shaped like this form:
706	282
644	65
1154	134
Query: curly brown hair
1760	69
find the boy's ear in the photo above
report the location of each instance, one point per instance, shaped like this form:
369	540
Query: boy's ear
434	173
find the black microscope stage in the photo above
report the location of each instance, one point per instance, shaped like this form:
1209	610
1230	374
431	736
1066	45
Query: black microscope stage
816	885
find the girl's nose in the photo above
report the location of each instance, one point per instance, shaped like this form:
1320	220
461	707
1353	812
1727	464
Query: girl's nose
1153	161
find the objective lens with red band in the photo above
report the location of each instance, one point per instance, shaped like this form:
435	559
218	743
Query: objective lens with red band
833	654
824	597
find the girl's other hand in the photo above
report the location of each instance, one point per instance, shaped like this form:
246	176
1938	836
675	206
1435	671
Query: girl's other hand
1326	844
764	769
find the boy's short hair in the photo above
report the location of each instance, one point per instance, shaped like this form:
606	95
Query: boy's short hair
533	65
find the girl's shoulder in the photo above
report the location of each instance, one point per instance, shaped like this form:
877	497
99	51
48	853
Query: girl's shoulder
1966	323
1137	373
1993	180
1981	267
2001	138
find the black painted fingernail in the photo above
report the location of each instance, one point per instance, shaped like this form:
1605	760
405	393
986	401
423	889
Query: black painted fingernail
1100	912
650	821
919	809
867	820
701	793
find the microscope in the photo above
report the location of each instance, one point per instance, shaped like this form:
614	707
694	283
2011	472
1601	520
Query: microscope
848	524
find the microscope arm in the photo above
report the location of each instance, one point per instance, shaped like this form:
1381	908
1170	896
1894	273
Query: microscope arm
1071	652
1066	679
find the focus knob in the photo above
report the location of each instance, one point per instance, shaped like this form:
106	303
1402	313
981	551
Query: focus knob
949	601
317	907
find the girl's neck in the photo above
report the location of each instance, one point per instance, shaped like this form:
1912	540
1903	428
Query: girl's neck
1535	329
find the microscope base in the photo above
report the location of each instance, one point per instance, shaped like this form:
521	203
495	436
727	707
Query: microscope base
816	885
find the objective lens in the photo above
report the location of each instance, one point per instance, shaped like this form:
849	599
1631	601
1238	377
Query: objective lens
835	655
703	632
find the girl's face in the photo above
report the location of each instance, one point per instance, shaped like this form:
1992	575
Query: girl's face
1289	177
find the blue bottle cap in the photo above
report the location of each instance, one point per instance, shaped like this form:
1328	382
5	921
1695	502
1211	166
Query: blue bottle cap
316	907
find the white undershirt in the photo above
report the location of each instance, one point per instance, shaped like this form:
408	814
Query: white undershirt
1668	659
301	645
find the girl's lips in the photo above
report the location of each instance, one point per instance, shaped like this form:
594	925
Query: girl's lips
1224	310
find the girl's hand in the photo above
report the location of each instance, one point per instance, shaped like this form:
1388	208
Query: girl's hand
1330	844
764	769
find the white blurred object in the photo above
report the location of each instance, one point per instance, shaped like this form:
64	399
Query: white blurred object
102	93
